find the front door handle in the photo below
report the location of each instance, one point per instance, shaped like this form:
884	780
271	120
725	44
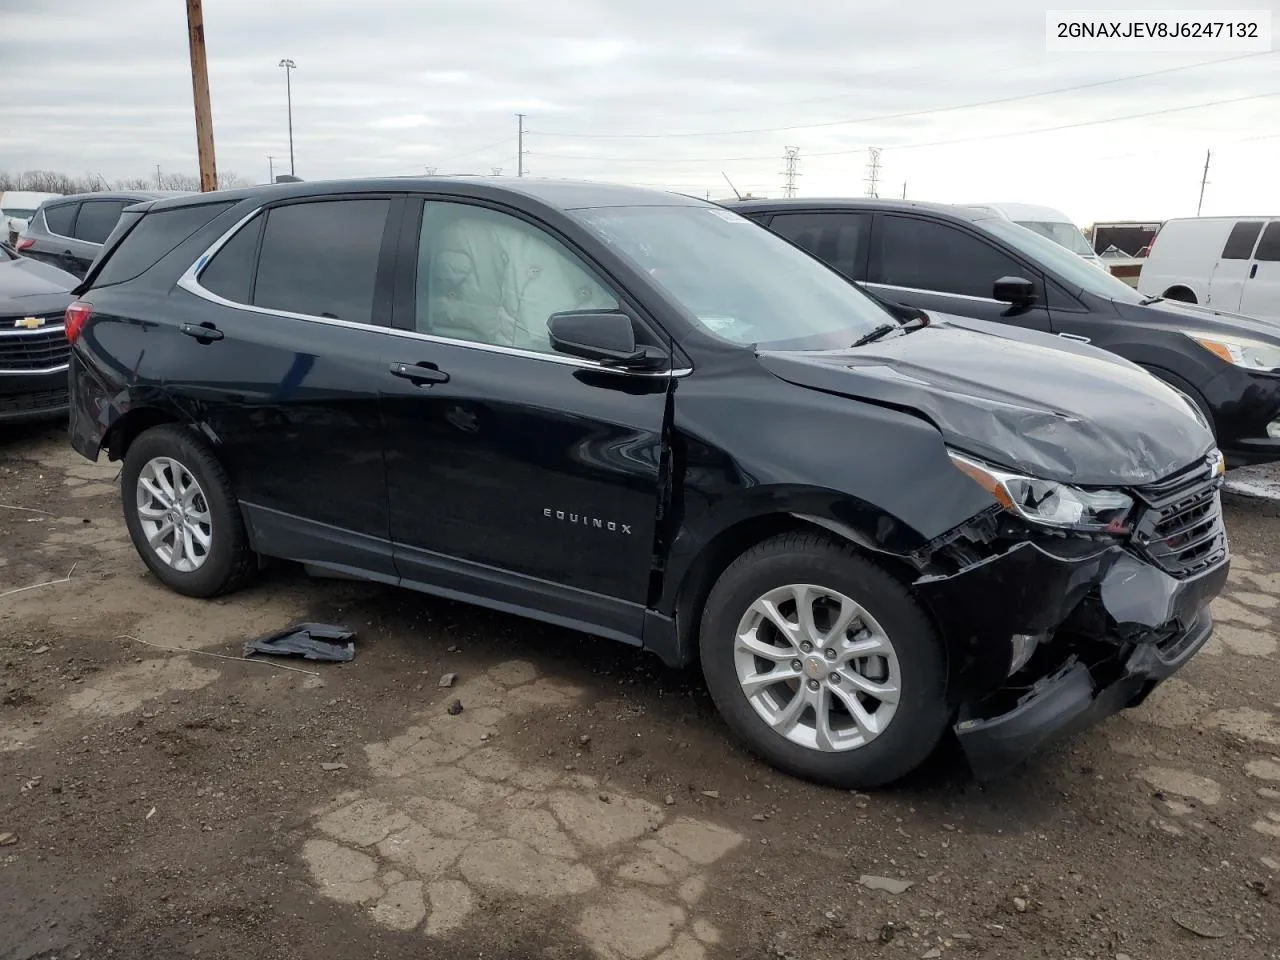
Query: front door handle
1253	271
204	332
419	373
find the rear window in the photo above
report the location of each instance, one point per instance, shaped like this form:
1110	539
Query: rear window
1240	242
96	219
230	272
60	217
155	235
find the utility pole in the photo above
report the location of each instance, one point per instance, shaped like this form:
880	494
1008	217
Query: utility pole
289	67
904	191
873	172
158	176
200	90
271	169
1203	180
791	159
519	144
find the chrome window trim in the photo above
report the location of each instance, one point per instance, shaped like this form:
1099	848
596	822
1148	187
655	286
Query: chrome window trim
34	373
932	293
190	282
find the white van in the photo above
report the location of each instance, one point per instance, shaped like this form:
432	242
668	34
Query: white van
1047	222
16	209
1227	263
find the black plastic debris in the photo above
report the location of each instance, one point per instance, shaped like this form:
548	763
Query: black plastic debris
312	641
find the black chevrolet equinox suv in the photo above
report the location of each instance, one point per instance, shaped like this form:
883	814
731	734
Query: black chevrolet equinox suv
642	416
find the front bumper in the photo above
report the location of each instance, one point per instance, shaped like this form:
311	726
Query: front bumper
1245	403
1114	627
41	396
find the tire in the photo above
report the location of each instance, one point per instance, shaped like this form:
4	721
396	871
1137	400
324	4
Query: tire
222	566
852	759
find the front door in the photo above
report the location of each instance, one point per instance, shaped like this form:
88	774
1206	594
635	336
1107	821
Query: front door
1260	296
516	475
939	265
1231	272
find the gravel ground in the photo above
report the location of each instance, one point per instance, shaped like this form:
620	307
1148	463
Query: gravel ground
584	803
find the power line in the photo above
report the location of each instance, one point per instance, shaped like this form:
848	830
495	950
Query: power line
475	150
903	116
933	143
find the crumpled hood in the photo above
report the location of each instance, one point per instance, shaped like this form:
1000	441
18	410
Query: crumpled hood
1059	414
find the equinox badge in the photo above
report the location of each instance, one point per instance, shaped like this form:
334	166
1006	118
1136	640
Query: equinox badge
584	521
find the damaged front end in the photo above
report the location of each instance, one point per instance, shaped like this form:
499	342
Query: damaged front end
1062	606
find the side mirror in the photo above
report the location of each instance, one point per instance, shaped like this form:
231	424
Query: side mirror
1018	291
608	337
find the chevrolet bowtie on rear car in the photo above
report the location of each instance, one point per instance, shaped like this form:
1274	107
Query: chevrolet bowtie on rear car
33	347
641	416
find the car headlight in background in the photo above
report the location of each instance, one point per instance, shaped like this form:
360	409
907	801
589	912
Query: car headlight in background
1250	354
1048	503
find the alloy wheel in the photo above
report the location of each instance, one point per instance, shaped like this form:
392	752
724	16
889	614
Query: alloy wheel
174	514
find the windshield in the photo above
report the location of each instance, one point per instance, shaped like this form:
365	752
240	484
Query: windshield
1066	234
1068	266
741	282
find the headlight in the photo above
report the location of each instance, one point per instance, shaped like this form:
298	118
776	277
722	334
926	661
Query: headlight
1250	354
1048	503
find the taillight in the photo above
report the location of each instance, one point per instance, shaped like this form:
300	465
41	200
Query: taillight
26	243
77	315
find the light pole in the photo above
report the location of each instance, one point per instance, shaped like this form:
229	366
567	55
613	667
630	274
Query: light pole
289	67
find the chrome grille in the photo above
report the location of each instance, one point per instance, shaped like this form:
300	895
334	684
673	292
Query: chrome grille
25	351
1179	526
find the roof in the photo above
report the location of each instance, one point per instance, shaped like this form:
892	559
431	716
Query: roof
563	194
857	203
136	195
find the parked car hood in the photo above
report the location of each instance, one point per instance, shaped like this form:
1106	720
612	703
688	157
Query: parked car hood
1203	320
29	286
1058	414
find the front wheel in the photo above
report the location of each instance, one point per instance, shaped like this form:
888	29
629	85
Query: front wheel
823	663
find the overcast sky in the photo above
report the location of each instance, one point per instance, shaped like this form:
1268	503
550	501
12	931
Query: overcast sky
654	92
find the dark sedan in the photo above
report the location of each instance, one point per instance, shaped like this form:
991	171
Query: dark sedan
957	261
33	348
69	232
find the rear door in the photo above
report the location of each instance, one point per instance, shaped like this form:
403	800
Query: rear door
1260	292
53	243
277	345
516	475
838	238
1234	266
938	265
93	225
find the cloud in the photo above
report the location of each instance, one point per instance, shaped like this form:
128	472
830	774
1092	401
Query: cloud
654	93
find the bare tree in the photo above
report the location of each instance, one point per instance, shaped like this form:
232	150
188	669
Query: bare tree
49	181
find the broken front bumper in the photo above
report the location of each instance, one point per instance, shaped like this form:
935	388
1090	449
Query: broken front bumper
1116	627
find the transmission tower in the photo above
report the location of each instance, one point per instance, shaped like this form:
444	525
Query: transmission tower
789	172
873	172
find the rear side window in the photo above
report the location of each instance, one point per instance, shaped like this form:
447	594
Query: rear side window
1240	242
1269	245
155	235
320	258
96	219
926	255
60	218
230	272
839	239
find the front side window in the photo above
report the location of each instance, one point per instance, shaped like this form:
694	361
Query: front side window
739	281
927	255
839	239
1239	245
491	278
320	258
1269	245
97	219
1064	234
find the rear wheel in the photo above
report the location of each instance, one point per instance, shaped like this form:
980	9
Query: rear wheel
182	515
823	663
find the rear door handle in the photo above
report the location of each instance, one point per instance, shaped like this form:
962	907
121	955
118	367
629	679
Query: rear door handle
1253	271
204	332
419	373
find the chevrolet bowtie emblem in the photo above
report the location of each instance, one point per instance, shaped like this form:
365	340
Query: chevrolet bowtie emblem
29	323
